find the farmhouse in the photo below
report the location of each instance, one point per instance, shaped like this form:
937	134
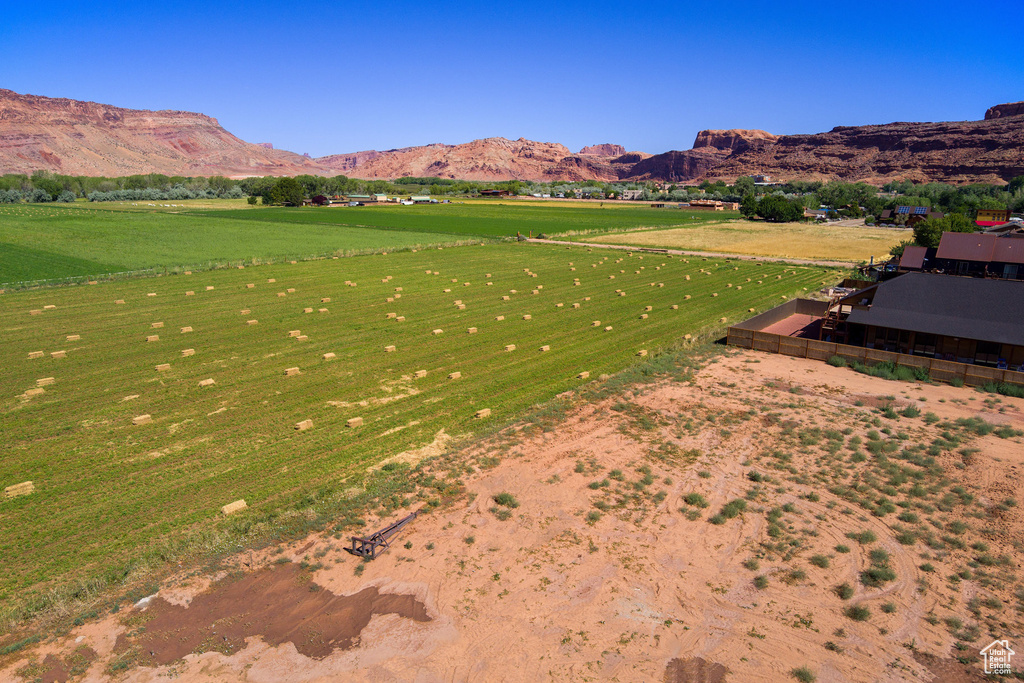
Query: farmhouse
908	214
988	217
985	255
951	319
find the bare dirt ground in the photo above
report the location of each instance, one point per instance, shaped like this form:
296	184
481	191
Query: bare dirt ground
694	530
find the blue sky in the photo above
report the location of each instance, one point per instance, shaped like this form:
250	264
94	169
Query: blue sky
324	78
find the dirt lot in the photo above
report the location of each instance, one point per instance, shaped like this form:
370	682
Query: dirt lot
762	515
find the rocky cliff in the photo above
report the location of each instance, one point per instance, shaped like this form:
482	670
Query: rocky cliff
732	140
991	151
87	138
604	150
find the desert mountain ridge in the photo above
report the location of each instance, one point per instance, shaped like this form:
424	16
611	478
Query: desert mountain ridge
87	138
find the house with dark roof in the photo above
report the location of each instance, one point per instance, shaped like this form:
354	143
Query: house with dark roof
981	254
908	215
968	320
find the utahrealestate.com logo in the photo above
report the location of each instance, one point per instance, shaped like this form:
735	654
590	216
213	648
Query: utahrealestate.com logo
997	656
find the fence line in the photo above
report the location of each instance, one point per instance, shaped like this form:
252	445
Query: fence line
943	370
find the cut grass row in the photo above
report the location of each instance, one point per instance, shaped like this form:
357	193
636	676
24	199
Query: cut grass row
107	488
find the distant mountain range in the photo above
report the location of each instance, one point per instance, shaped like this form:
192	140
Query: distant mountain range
85	138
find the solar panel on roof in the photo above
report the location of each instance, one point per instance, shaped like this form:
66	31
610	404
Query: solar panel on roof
902	209
920	209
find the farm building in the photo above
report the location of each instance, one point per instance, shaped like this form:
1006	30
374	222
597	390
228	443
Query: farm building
985	255
965	321
913	214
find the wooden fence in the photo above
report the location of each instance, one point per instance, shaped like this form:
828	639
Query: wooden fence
943	370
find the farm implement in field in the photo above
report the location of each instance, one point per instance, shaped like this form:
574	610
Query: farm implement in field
377	542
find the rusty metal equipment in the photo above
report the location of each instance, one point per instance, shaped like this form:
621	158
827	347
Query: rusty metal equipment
377	542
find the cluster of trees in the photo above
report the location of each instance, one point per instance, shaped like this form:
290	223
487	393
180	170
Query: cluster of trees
15	187
152	194
35	196
772	207
965	199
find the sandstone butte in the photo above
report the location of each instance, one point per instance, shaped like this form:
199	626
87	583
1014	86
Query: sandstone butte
86	138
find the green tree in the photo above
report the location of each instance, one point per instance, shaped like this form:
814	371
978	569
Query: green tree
748	207
285	191
778	209
743	186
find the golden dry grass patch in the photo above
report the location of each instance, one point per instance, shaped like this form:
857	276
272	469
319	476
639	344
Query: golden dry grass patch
784	240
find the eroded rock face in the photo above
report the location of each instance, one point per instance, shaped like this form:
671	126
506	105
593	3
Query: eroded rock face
678	166
988	151
87	138
732	140
603	150
1003	110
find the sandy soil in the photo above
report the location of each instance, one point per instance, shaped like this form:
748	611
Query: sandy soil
561	590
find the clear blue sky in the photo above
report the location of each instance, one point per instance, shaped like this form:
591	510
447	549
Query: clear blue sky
326	78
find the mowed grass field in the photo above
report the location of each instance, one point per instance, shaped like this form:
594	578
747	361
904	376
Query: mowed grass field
106	488
51	241
784	240
40	242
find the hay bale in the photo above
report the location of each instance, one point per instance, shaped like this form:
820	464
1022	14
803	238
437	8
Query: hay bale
73	337
750	310
675	307
489	284
245	311
304	425
729	285
186	330
535	291
45	381
483	412
461	307
714	293
241	267
156	326
290	372
329	355
307	310
271	281
688	337
58	354
420	373
301	337
188	352
457	302
500	317
686	297
294	333
471	330
575	305
390	315
586	298
154	293
251	322
510	347
400	318
437	332
49	307
643	316
355	422
447	291
527	317
119	301
389	349
291	290
512	291
622	294
739	286
281	294
721	320
142	419
163	367
187	272
506	298
559	305
596	323
208	288
687	277
398	289
38	391
190	293
35	354
234	507
611	277
583	375
648	308
22	489
250	286
207	383
465	284
545	348
322	310
577	283
325	300
642	353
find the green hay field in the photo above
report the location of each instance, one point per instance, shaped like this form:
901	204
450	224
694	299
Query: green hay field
107	490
